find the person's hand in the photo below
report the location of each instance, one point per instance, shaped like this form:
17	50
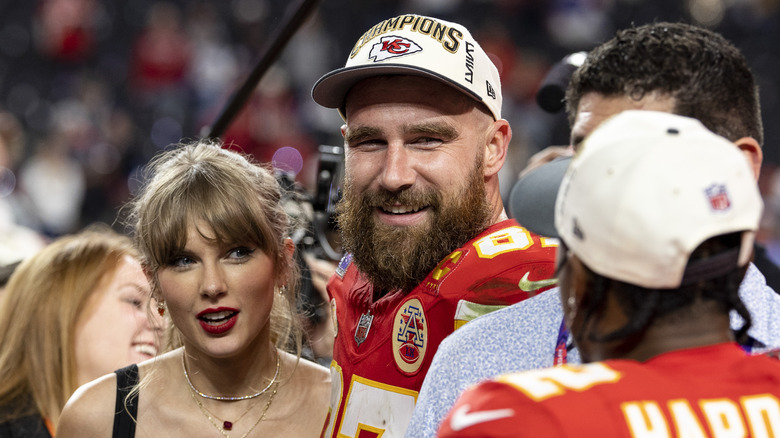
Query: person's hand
322	336
321	271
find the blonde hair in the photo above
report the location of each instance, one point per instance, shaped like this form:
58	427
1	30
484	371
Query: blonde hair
44	298
239	199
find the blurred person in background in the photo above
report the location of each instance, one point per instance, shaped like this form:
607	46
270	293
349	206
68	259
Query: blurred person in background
74	311
18	238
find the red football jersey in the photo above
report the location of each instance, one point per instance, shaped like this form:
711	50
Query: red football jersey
383	349
714	391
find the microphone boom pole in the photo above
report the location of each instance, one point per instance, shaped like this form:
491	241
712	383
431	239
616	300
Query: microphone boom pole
272	51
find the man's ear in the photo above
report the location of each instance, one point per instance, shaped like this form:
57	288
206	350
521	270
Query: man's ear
753	153
497	144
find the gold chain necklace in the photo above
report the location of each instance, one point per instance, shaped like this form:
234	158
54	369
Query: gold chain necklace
226	398
226	425
220	429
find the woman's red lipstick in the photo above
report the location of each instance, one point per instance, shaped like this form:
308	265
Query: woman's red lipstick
218	321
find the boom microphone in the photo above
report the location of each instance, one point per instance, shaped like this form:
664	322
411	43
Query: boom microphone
293	22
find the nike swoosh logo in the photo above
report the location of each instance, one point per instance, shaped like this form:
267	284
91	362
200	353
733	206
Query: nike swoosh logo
462	419
527	285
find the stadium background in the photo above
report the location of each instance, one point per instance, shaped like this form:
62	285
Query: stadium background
94	88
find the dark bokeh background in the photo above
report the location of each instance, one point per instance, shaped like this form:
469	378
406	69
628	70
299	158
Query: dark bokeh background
91	89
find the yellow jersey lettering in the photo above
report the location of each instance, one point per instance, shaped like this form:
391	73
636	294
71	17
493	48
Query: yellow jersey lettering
758	414
443	268
508	239
685	420
723	417
645	419
545	383
763	415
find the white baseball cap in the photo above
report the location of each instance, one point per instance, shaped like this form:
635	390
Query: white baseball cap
420	46
646	189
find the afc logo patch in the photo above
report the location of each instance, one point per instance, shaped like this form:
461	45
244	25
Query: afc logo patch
410	336
392	47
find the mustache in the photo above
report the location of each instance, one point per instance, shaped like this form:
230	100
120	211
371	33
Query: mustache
416	198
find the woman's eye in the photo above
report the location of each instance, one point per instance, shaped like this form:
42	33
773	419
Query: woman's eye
240	253
134	301
181	262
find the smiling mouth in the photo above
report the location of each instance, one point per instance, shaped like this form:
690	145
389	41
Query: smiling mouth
401	209
217	318
146	349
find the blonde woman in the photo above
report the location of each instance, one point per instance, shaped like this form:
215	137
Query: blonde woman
214	240
74	311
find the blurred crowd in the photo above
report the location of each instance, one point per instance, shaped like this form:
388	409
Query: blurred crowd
90	90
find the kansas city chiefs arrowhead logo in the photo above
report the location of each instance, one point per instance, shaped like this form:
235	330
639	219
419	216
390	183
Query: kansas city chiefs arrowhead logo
392	46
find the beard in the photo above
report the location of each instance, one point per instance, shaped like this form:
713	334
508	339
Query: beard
395	257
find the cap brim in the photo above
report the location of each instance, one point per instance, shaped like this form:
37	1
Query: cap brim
331	89
532	198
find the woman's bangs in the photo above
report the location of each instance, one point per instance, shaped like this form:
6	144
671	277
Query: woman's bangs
230	219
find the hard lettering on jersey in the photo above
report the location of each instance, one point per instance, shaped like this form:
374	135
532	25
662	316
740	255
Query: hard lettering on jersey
441	271
410	338
714	391
344	263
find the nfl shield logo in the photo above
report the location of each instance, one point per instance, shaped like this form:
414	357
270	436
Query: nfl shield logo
364	325
719	198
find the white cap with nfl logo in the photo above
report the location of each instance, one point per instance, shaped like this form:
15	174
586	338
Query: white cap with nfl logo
646	189
420	46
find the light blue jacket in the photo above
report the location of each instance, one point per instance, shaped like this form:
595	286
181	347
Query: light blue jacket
523	337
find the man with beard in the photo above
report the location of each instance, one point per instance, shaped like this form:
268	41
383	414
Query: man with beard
428	243
657	217
672	67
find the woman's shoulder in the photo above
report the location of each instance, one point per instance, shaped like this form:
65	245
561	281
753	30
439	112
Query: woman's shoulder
90	410
306	377
310	372
303	399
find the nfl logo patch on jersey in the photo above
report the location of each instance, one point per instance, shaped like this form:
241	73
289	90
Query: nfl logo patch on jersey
410	336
